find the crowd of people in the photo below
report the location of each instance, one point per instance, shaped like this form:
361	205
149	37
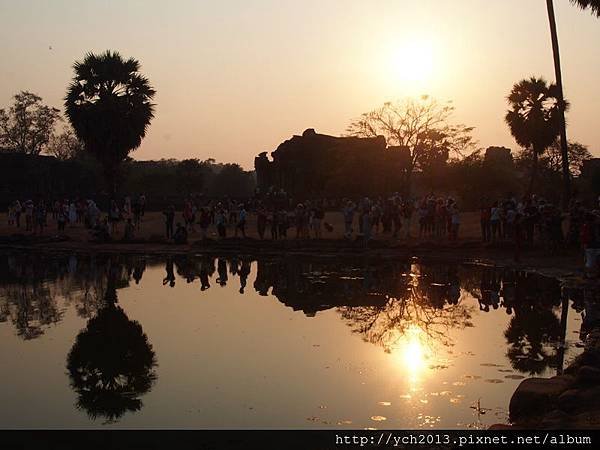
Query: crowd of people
433	217
35	216
533	218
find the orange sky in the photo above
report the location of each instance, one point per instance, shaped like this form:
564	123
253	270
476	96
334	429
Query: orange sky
237	78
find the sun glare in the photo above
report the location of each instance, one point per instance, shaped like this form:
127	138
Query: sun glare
413	62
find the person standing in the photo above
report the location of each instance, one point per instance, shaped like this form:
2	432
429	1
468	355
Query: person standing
39	216
169	220
28	215
317	220
142	201
204	223
454	220
61	218
241	221
72	213
261	221
18	211
114	215
348	213
11	214
283	222
367	225
495	221
485	217
220	219
274	220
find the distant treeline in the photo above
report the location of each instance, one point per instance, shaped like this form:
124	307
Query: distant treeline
163	182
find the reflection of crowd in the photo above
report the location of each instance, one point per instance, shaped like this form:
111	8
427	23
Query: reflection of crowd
29	301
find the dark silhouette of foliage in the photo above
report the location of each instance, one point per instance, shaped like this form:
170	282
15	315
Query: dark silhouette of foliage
420	126
109	105
28	124
533	117
592	5
232	181
64	145
529	335
552	158
191	175
112	363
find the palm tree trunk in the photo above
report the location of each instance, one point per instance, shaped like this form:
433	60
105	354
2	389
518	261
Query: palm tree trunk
561	107
533	175
110	176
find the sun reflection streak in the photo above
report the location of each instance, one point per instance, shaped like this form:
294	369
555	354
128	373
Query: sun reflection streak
412	354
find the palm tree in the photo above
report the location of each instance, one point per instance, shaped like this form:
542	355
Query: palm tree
594	6
109	106
533	117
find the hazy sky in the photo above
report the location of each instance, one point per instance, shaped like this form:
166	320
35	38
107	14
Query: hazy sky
235	78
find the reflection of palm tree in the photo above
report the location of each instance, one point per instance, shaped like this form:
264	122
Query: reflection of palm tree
529	332
111	363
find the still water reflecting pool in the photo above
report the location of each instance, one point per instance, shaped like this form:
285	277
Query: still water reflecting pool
203	342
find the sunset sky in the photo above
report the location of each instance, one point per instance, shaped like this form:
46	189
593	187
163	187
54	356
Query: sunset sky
235	78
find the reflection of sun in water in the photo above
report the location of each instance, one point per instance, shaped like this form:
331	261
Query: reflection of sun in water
411	351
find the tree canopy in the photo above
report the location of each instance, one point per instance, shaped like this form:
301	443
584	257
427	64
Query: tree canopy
28	124
534	117
109	104
421	127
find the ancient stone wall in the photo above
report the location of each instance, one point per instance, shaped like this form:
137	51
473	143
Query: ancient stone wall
321	165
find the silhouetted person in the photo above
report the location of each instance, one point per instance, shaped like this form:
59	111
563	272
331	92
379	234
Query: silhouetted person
181	234
169	219
129	231
241	221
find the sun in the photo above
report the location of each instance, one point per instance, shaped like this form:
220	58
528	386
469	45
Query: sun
413	62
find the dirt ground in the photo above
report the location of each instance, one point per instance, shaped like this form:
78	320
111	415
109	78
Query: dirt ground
153	227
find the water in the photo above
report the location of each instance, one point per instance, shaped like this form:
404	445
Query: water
200	342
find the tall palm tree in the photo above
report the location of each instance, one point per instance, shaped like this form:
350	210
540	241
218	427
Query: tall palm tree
533	117
109	106
594	7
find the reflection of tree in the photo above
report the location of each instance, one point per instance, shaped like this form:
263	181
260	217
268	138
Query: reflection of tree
26	299
30	307
111	363
534	327
422	302
529	334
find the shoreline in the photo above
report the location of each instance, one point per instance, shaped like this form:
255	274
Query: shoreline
568	266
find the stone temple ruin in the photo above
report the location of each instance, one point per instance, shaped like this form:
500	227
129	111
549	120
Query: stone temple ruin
316	164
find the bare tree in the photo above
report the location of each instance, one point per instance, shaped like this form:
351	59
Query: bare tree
421	128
